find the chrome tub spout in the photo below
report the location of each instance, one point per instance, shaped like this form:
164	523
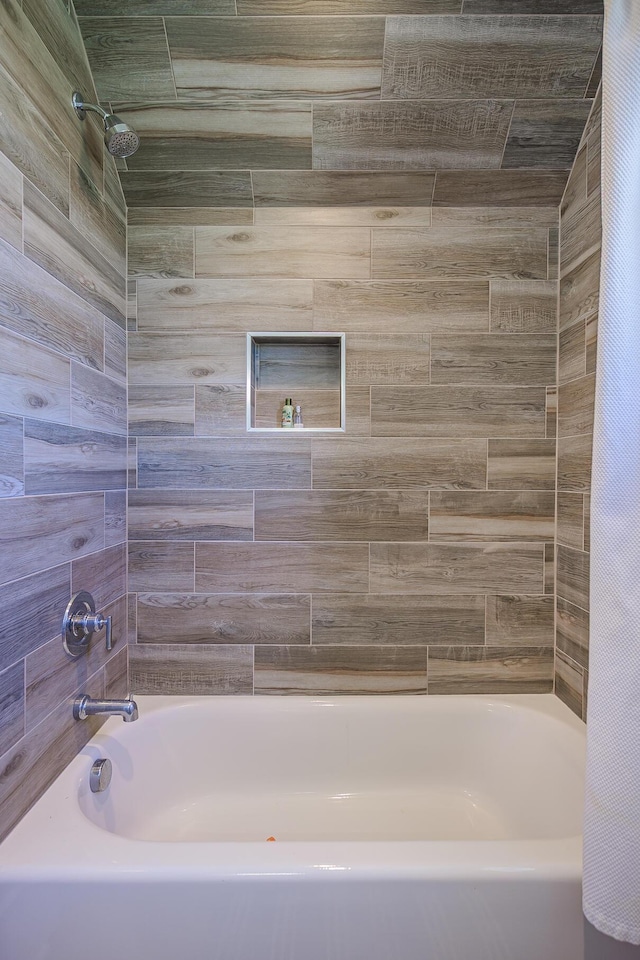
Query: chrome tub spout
84	707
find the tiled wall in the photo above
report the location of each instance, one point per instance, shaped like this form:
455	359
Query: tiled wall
578	321
412	553
280	102
62	397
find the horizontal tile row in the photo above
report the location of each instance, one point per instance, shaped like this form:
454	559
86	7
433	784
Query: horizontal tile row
330	567
353	463
349	619
496	249
327	670
281	8
358	515
325	57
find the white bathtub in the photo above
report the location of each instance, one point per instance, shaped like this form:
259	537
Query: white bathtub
406	828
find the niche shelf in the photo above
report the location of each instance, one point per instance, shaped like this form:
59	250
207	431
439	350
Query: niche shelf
309	367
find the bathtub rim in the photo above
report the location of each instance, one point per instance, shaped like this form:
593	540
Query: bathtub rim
38	848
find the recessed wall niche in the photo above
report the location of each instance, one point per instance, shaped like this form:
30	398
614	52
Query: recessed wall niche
308	367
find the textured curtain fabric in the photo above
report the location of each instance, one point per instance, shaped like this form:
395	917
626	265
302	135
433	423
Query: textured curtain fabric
612	812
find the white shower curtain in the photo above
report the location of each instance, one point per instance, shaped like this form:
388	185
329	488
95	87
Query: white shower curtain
611	893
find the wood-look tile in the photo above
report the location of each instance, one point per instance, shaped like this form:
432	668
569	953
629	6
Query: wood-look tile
532	6
594	152
521	465
526	669
171	188
52	676
10	203
190	515
575	407
162	358
189	216
115	350
363	463
266	567
52	242
573	576
45	595
226	136
155	8
94	214
322	515
159	565
466	252
553	253
283	252
524	306
11	706
30	145
498	187
576	192
38	528
310	188
581	227
243	464
413	306
572	352
250	303
406	568
572	631
61	459
579	292
410	136
223	618
275	8
35	305
103	574
387	358
314	57
132	463
486	214
551	412
41	80
488	56
116	676
33	380
220	410
190	669
132	619
361	620
569	683
520	621
491	516
58	28
545	133
586	529
574	463
35	761
595	81
549	569
447	411
129	57
115	517
11	456
160	251
166	411
492	358
344	216
97	402
329	670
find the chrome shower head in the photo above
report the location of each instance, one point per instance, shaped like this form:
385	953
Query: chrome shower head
121	139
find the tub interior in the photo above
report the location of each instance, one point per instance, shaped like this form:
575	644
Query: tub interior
453	768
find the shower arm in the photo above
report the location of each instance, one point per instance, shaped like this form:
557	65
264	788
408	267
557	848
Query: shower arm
81	107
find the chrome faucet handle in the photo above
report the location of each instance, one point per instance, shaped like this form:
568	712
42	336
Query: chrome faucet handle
80	622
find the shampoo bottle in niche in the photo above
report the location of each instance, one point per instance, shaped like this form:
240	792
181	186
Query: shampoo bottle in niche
287	413
297	418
